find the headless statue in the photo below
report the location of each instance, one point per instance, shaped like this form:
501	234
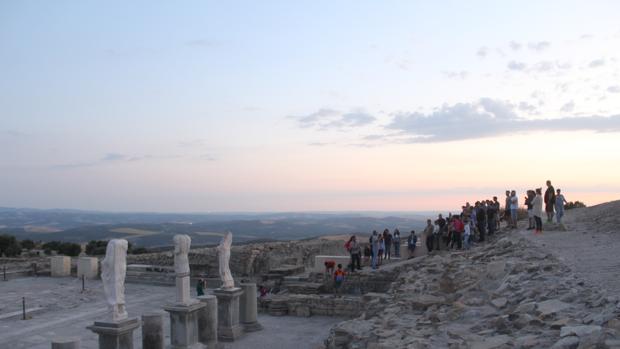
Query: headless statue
223	252
113	269
181	267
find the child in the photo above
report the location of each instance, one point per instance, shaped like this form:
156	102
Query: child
338	279
559	206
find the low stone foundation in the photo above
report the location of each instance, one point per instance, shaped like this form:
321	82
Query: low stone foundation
309	305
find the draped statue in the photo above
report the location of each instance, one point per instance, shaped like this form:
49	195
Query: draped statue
113	269
181	249
223	251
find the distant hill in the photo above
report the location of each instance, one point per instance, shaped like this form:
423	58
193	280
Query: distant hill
157	229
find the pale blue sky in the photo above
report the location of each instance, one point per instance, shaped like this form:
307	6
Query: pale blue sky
258	105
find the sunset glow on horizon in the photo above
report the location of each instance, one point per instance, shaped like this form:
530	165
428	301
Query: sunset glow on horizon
322	106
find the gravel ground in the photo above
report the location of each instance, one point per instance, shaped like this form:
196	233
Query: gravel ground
589	246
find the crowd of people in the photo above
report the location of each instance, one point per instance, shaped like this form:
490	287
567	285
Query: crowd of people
460	231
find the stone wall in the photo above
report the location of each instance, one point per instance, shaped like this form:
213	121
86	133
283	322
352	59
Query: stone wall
248	260
309	305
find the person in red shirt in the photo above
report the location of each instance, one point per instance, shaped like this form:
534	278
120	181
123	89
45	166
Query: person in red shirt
339	275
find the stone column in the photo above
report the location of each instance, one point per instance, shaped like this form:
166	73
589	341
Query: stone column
88	266
228	329
60	265
153	331
115	335
184	325
207	321
249	308
66	343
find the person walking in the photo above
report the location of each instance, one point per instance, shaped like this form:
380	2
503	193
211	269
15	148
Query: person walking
559	206
537	208
428	232
549	201
396	242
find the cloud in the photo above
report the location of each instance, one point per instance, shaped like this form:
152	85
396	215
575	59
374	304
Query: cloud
526	107
114	157
325	118
514	65
486	118
568	107
614	89
538	46
457	75
597	63
482	52
515	46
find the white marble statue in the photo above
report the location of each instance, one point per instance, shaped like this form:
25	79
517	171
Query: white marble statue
223	251
113	269
181	249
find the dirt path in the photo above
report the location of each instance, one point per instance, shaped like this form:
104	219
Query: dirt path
590	246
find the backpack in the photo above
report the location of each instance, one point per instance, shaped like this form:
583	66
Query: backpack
347	246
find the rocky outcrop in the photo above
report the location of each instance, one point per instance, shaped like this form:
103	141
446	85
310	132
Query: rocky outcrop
507	294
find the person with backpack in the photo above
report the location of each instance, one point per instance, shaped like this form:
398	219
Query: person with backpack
396	242
355	251
412	241
339	275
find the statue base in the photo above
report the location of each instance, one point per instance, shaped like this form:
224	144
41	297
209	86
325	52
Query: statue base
229	329
184	325
115	335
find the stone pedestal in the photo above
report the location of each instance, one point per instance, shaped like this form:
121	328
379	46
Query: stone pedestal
249	308
60	265
66	343
207	321
229	328
153	331
115	335
184	325
183	287
88	266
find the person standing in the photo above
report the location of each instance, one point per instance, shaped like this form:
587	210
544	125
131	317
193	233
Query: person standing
396	242
381	248
441	223
537	208
514	205
356	254
497	206
559	206
529	203
507	216
412	241
200	288
549	201
388	244
339	275
457	232
491	215
428	231
374	246
466	234
481	214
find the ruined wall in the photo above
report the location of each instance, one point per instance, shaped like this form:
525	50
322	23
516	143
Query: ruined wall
248	260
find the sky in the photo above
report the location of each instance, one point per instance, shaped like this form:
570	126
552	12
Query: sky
202	106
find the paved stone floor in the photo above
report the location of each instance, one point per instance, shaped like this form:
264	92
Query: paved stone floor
66	311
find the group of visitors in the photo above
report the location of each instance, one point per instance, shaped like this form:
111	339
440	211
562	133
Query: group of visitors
460	231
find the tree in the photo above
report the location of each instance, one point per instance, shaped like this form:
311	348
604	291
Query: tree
96	247
28	244
9	246
64	248
576	204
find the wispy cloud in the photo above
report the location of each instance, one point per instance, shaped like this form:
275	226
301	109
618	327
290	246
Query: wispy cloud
568	107
514	65
457	75
482	52
538	46
614	89
597	63
486	118
324	119
515	46
112	158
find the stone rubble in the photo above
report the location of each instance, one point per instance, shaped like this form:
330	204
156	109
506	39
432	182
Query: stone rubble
506	294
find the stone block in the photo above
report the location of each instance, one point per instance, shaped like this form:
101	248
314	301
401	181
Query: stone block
184	325
249	308
229	328
115	335
153	331
207	321
66	343
60	265
88	266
